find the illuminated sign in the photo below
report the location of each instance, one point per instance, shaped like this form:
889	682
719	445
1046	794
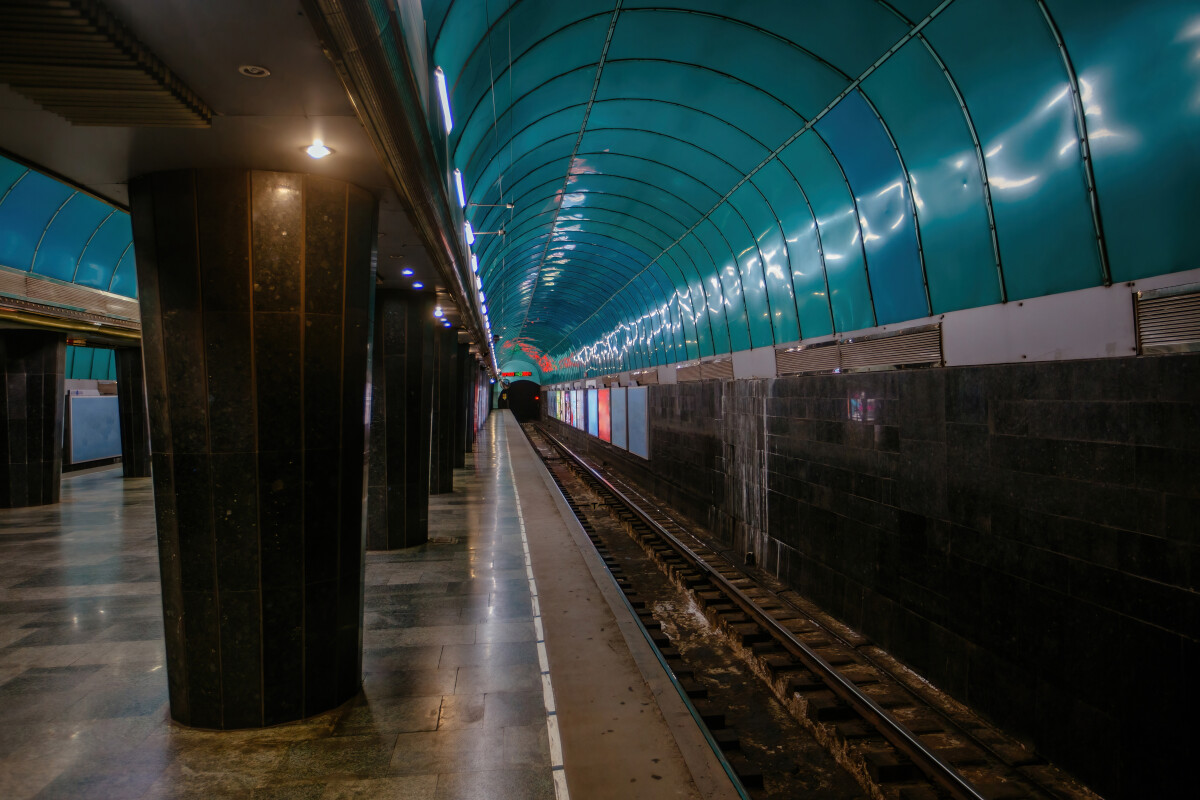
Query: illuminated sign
516	374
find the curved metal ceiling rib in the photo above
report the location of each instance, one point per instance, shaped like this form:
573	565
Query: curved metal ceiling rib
702	177
55	231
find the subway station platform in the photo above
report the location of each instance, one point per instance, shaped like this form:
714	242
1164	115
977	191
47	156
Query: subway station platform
499	662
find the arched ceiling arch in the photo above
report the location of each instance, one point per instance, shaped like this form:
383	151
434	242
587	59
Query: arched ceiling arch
55	231
688	179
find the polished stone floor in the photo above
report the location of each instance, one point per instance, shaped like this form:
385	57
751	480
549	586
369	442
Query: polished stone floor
452	707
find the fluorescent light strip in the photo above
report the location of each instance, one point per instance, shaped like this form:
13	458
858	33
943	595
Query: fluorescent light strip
445	97
469	232
462	197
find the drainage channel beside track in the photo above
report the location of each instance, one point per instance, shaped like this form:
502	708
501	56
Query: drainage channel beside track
743	647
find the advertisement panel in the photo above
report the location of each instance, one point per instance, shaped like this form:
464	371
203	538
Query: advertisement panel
604	415
617	402
593	412
639	426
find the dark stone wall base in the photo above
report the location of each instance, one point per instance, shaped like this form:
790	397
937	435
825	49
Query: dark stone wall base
1024	535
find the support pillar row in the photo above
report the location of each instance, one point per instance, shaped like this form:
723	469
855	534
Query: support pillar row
256	291
131	404
445	367
401	405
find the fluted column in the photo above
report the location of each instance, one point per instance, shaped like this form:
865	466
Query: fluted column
256	292
441	456
402	396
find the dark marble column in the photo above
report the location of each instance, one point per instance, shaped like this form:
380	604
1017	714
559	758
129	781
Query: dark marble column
472	378
135	426
462	404
256	291
32	364
402	396
441	455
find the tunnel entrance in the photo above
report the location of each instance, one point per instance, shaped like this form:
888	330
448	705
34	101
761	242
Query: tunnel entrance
525	400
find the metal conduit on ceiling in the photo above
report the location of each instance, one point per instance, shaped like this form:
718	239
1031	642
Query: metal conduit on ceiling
699	178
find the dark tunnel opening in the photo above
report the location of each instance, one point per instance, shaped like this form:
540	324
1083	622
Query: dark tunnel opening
524	399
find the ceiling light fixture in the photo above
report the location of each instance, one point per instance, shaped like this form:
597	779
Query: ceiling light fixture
254	71
437	312
445	97
418	285
470	234
317	149
406	272
462	197
474	264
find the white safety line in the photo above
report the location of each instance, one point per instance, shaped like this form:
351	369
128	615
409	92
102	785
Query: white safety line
556	757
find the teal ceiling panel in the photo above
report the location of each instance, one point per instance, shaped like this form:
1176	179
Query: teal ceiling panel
841	238
710	176
728	279
885	216
806	280
66	236
103	253
56	231
1138	66
1011	74
916	99
29	205
720	44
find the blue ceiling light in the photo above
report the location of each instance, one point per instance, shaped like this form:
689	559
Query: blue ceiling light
406	271
458	184
469	232
444	96
418	285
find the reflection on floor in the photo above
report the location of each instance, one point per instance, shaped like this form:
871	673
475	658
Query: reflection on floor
452	704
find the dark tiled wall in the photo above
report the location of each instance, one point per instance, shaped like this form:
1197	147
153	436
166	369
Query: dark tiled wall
135	426
32	365
256	297
1027	536
398	480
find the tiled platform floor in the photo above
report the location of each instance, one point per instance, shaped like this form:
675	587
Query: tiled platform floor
452	704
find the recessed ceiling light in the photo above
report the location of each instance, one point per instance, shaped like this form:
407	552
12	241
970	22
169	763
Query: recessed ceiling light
418	286
253	71
317	149
406	271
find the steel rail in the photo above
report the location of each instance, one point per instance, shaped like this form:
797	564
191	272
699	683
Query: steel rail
900	737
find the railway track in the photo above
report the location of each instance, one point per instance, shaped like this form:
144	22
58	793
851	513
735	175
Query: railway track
895	734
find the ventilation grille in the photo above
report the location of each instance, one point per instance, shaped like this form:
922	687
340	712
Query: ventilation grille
40	295
1168	320
720	369
916	347
817	358
646	377
76	60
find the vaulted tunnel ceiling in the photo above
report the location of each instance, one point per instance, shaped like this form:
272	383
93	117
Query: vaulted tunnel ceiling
707	177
